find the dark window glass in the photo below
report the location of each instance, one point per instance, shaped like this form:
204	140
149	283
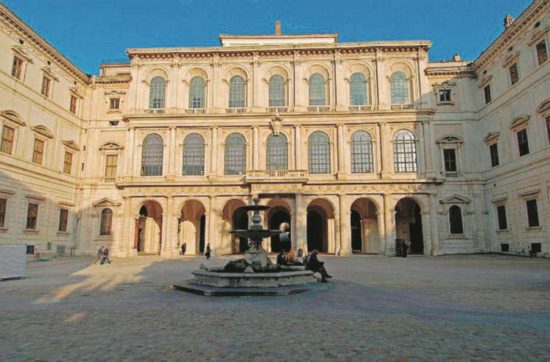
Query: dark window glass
193	155
501	214
532	213
514	74
317	95
444	95
46	83
455	218
548	128
157	93
32	215
399	88
72	105
542	54
358	89
523	142
114	103
450	160
152	155
196	92
235	154
106	224
63	218
17	67
237	92
277	152
3	204
276	91
494	154
361	153
319	153
487	93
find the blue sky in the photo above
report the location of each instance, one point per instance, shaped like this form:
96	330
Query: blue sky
89	31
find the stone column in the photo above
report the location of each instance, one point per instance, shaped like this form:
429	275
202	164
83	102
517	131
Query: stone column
428	154
300	228
341	152
171	149
214	152
298	147
169	234
385	151
130	151
433	224
389	228
256	148
345	227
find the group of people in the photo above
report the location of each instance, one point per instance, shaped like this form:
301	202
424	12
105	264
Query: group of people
310	261
102	256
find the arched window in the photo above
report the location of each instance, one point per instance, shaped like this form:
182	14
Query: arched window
317	90
156	93
196	92
319	153
276	91
151	155
235	154
193	155
358	89
404	151
361	152
455	219
237	92
399	88
277	152
106	224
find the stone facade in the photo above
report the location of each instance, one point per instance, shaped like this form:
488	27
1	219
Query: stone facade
353	144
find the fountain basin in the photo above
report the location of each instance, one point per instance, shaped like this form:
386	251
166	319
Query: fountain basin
222	279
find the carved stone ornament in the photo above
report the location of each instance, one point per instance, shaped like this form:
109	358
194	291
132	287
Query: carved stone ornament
44	131
13	117
276	123
111	146
105	202
455	199
449	140
491	137
72	145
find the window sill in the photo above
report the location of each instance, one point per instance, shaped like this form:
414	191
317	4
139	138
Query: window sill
3	230
63	233
445	103
114	111
458	236
533	228
104	237
31	231
502	231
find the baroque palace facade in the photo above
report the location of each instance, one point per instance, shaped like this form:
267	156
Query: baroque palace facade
353	144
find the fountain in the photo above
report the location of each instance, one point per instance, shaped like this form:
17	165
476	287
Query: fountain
255	274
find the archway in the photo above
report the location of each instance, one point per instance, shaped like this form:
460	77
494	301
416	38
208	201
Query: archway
320	226
408	224
234	218
364	227
277	216
191	227
149	228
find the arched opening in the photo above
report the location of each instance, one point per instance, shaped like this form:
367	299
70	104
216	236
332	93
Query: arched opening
234	218
364	227
277	216
191	227
149	229
408	224
320	226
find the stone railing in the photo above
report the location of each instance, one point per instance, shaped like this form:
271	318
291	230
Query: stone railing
278	109
195	110
155	110
366	107
400	107
236	110
318	108
276	175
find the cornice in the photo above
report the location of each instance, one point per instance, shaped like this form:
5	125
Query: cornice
32	36
526	17
460	70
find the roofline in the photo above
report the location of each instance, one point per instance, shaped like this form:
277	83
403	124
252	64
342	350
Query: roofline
521	21
282	36
42	43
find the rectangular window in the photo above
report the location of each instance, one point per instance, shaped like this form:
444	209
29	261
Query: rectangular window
449	156
63	218
110	166
501	215
548	128
494	154
523	142
3	204
487	93
542	54
72	105
444	95
68	163
17	68
46	85
38	151
532	213
514	74
114	103
7	140
32	215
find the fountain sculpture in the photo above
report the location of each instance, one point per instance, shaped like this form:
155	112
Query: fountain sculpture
255	274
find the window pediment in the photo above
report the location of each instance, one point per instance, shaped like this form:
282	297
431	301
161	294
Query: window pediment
43	130
13	117
18	50
49	73
510	58
76	92
484	81
492	137
544	107
519	122
455	199
111	146
450	140
538	35
106	202
71	144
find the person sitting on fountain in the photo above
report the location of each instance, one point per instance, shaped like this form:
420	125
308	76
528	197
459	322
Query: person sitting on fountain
317	266
282	257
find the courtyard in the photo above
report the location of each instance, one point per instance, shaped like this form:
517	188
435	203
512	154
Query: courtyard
376	308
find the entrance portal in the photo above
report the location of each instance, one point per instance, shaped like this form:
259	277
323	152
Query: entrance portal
320	226
149	228
233	218
192	227
364	227
408	224
277	216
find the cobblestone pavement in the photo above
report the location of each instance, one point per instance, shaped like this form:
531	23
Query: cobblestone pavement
474	307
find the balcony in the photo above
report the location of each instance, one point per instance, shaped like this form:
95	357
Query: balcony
236	110
401	107
318	108
276	176
155	110
278	109
195	110
366	107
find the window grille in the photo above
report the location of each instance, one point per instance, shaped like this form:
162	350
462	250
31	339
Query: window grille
106	224
63	219
277	152
237	92
399	88
276	91
196	92
235	154
157	93
111	166
38	151
7	140
317	95
361	152
358	89
193	155
404	152
152	155
319	153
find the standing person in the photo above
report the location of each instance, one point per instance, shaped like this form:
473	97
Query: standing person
99	255
183	248
208	251
406	247
317	266
105	257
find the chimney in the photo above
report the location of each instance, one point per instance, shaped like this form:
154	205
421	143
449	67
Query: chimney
278	28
